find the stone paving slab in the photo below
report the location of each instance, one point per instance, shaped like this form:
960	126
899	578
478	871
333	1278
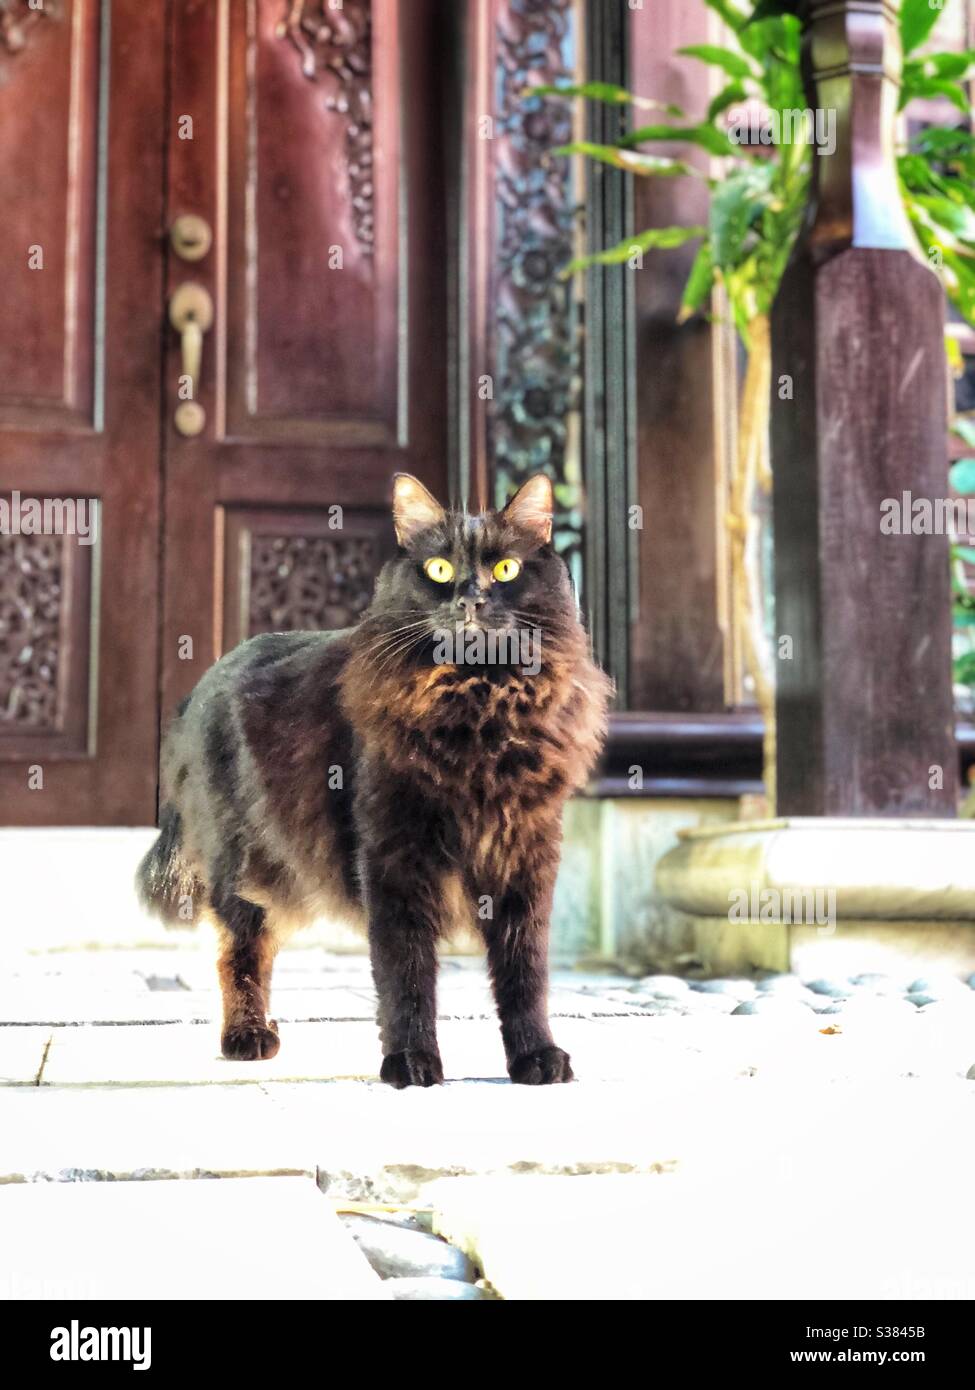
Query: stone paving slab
247	1238
74	1134
59	1008
309	1052
867	1197
128	987
22	1053
374	1144
807	1047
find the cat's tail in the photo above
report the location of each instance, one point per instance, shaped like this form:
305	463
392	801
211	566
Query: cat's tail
167	887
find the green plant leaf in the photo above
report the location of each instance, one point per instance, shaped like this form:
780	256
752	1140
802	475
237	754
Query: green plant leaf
961	475
630	160
654	239
699	283
921	86
707	136
960	281
731	63
728	96
918	18
957	218
601	91
735	203
946	64
731	15
945	143
964	668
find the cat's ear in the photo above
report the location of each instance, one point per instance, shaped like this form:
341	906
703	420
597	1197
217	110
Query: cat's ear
414	509
531	508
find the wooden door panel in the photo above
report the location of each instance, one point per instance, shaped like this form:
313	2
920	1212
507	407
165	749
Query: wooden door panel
47	276
308	214
298	568
325	371
81	172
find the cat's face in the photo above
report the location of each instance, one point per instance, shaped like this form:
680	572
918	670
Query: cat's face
490	573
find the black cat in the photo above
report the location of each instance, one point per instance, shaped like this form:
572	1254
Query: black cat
410	771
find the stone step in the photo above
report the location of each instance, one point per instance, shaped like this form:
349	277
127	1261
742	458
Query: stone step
243	1238
864	1195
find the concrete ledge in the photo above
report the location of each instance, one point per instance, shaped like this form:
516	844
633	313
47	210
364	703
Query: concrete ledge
887	870
822	896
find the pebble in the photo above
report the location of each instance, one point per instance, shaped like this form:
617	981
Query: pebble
780	984
737	989
663	987
769	1006
936	985
835	989
397	1252
436	1291
970	1074
971	982
870	982
820	1003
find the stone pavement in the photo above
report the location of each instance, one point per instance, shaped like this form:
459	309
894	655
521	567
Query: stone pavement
736	1138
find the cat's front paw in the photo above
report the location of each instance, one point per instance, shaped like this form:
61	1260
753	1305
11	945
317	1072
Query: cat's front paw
251	1042
545	1067
412	1068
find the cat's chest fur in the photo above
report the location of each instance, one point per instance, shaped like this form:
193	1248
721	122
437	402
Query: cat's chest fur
499	740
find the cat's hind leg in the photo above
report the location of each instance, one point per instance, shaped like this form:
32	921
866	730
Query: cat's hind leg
247	949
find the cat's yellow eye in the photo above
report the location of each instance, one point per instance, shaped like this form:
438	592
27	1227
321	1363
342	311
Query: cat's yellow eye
439	570
506	570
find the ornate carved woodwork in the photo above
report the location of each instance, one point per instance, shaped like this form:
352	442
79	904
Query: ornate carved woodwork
45	636
18	19
338	42
526	211
31	605
310	583
308	569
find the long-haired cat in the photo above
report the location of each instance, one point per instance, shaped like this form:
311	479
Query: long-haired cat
403	771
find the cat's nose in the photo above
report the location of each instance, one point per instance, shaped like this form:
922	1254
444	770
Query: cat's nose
468	604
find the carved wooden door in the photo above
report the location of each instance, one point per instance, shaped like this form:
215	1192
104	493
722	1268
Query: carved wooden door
223	276
306	137
81	220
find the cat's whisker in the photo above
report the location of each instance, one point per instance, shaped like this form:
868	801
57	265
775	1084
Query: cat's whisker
392	637
391	634
404	647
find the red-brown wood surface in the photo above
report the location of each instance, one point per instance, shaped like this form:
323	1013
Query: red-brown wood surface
318	381
79	410
864	705
676	651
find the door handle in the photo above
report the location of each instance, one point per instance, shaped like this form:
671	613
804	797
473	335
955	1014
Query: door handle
191	314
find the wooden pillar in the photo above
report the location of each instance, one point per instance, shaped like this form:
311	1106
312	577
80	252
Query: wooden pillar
864	705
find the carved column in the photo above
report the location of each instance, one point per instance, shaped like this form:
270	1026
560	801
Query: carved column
864	705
